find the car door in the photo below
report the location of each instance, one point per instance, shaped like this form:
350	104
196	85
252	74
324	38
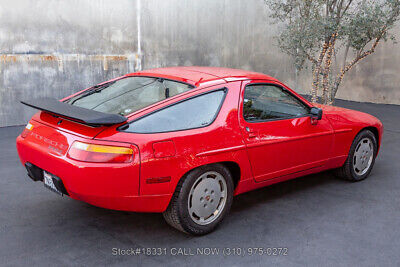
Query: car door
278	131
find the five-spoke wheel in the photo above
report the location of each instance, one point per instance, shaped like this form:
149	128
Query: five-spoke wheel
361	157
201	200
207	198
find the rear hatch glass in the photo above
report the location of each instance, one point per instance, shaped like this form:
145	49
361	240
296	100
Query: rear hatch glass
128	94
123	96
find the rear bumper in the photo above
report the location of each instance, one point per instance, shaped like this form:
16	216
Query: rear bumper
150	203
112	186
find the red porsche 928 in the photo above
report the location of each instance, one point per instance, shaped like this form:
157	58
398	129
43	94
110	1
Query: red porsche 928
184	140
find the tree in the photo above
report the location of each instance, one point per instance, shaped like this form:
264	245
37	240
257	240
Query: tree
318	31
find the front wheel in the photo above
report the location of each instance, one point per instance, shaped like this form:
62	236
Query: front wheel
201	200
361	157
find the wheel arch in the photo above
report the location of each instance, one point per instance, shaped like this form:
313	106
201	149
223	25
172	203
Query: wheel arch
375	131
235	171
232	166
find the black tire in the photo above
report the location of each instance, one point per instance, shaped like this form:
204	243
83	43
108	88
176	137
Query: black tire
177	214
347	171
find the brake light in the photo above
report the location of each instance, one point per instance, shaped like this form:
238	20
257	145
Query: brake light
100	153
26	131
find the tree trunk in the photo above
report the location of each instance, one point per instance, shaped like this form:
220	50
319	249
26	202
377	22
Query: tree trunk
327	70
360	56
315	84
317	72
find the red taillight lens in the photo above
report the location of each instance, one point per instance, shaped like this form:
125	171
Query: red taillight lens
100	153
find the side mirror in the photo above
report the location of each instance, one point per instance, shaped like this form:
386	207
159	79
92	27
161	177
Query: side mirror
316	113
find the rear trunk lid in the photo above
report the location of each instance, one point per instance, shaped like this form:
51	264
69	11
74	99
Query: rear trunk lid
72	119
68	126
55	135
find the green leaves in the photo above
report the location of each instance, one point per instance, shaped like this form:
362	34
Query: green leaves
312	25
370	20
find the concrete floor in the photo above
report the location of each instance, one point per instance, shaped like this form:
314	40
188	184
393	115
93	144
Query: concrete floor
320	219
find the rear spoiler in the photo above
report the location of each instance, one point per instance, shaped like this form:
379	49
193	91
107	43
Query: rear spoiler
82	115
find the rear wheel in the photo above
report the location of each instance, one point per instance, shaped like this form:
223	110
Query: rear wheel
201	200
361	158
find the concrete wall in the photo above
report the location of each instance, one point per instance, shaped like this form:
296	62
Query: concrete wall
54	48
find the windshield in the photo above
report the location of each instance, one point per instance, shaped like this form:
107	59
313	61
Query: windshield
128	95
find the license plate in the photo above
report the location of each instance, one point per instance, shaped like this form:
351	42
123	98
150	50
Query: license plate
49	184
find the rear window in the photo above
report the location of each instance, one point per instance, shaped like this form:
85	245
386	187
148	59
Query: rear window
196	112
128	95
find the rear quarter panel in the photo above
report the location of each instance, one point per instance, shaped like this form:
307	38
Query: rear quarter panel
219	142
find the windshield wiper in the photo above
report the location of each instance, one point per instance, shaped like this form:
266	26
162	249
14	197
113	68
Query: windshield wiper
94	89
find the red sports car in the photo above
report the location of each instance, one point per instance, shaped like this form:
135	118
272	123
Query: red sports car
185	140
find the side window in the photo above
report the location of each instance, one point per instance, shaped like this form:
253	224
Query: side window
196	112
265	102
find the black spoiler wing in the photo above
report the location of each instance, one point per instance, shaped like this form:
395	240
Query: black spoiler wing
82	115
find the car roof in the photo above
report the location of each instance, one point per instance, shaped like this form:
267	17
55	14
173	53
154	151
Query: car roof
198	76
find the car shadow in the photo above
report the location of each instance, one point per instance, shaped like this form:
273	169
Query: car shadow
281	190
130	227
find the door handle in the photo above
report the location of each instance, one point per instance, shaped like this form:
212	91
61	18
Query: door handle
250	133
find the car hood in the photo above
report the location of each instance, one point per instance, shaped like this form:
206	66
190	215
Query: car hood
348	115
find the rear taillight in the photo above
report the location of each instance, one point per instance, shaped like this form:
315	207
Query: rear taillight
100	153
26	130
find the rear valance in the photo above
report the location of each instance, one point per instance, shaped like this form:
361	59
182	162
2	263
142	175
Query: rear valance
83	115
